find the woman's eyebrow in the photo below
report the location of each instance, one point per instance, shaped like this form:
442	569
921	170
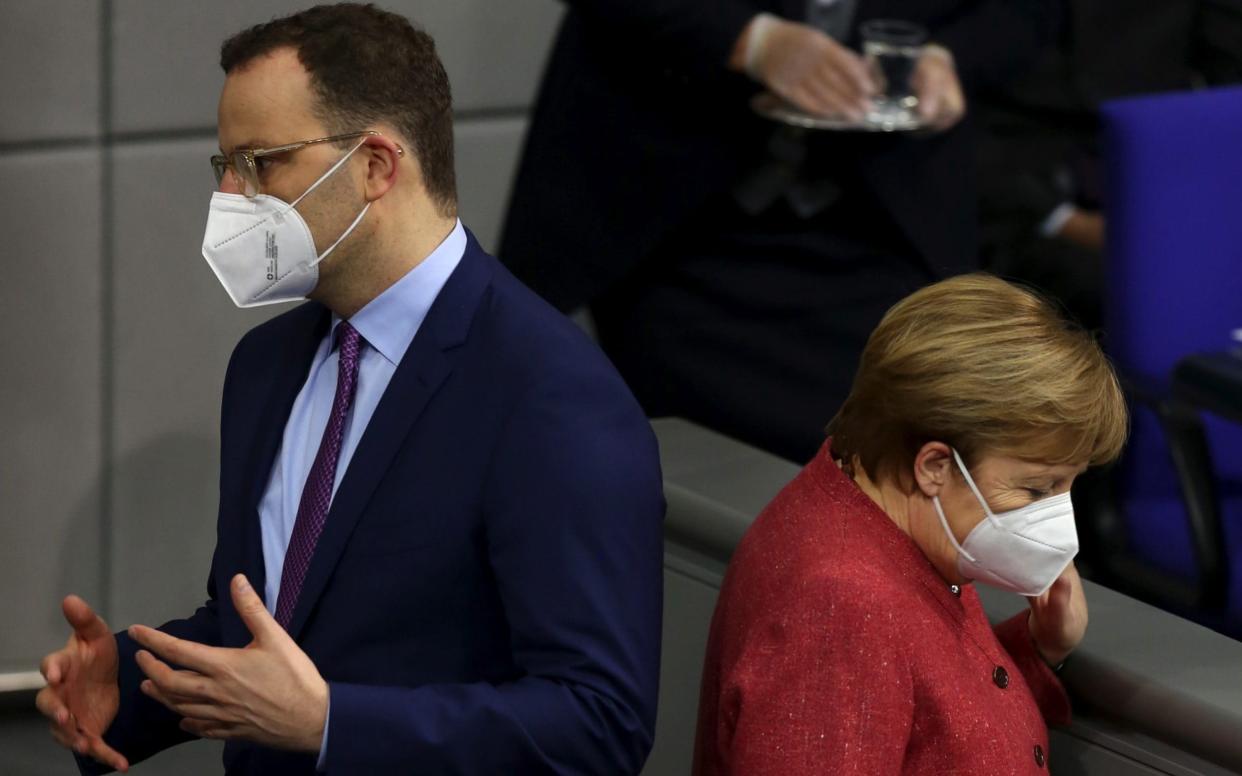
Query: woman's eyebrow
1028	479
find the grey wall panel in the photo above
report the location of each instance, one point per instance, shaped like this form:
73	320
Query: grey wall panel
175	328
49	54
50	409
494	52
166	72
487	156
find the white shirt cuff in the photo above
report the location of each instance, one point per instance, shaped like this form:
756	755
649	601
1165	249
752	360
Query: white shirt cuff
322	764
1052	225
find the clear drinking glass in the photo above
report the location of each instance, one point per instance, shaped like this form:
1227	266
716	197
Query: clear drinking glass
892	48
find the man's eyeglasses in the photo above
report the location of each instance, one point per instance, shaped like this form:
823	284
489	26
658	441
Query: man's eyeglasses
245	166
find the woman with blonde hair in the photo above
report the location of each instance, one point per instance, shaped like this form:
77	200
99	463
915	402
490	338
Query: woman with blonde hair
848	637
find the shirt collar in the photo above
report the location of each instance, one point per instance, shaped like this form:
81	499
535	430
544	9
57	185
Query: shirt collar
389	321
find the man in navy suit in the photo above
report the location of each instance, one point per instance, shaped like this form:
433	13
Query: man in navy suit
439	544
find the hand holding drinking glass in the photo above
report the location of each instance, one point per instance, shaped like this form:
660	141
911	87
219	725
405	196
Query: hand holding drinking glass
807	68
914	80
939	92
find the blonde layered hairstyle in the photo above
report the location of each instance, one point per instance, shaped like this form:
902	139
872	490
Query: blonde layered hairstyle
987	367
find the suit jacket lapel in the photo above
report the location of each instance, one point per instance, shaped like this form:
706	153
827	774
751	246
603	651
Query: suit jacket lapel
424	368
287	375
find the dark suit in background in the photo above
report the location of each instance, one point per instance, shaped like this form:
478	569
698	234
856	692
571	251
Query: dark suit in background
1040	151
735	268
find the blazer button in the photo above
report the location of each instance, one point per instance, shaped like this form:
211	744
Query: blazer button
1000	676
955	590
1039	755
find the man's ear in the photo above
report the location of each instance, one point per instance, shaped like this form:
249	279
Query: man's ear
933	466
383	156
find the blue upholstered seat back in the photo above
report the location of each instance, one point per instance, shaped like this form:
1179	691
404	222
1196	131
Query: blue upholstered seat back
1174	206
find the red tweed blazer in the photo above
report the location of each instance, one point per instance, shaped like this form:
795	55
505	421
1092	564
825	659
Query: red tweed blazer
837	648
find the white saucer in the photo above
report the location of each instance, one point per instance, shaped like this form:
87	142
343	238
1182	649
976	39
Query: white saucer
775	108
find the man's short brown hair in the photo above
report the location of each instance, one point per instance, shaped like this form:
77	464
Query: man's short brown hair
367	65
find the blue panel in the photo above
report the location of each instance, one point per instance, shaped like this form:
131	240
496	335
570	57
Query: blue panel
1175	231
1174	165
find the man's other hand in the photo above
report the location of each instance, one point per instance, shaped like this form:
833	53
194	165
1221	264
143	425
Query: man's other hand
81	697
269	692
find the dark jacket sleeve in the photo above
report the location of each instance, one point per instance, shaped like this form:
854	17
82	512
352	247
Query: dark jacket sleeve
573	509
991	40
696	35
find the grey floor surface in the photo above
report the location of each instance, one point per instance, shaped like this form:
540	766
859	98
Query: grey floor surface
26	749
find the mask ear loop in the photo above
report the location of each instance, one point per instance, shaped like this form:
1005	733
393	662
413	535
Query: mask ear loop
948	531
326	175
940	510
344	234
973	488
315	185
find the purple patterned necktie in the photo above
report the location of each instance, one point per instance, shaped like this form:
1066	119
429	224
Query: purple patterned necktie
317	493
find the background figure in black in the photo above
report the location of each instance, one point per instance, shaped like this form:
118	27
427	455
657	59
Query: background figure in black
734	268
1040	176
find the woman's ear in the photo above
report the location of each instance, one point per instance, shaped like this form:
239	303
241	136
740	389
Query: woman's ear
933	466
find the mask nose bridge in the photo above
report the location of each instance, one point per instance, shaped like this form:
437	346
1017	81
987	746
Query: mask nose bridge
254	210
1048	509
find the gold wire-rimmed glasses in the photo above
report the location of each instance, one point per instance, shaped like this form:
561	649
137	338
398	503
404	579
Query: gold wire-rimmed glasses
246	169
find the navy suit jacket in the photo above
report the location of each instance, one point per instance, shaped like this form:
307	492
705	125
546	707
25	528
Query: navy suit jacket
486	595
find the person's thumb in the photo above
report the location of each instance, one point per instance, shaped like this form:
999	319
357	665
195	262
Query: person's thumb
253	613
82	618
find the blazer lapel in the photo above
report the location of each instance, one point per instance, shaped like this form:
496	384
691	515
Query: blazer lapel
422	371
286	378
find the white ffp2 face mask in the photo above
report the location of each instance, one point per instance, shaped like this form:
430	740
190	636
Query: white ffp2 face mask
1022	550
261	248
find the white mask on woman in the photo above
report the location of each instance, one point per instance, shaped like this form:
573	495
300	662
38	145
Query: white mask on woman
261	248
1022	550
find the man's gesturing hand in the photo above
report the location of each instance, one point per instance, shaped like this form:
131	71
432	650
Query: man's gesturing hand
269	692
81	697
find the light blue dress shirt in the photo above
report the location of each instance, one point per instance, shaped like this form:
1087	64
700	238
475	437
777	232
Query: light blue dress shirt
387	324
